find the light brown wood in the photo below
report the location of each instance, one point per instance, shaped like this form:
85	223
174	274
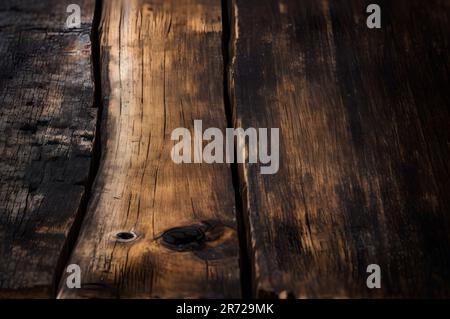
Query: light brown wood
47	130
162	69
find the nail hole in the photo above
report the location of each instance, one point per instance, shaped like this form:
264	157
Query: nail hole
125	236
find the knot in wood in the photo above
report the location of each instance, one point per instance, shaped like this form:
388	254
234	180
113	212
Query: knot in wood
184	238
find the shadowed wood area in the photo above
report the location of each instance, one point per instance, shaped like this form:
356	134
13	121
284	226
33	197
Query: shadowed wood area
155	229
47	129
364	170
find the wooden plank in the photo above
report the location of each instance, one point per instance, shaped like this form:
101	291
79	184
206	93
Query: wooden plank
162	69
364	169
47	129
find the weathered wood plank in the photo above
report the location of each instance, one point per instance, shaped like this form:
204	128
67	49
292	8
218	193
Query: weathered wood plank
364	164
47	129
162	69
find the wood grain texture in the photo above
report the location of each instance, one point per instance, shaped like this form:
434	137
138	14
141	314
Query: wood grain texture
162	69
47	130
364	165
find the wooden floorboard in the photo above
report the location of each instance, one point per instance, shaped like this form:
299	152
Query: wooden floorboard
162	69
364	171
47	130
364	146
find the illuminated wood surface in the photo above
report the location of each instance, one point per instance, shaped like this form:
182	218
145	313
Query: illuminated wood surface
162	69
